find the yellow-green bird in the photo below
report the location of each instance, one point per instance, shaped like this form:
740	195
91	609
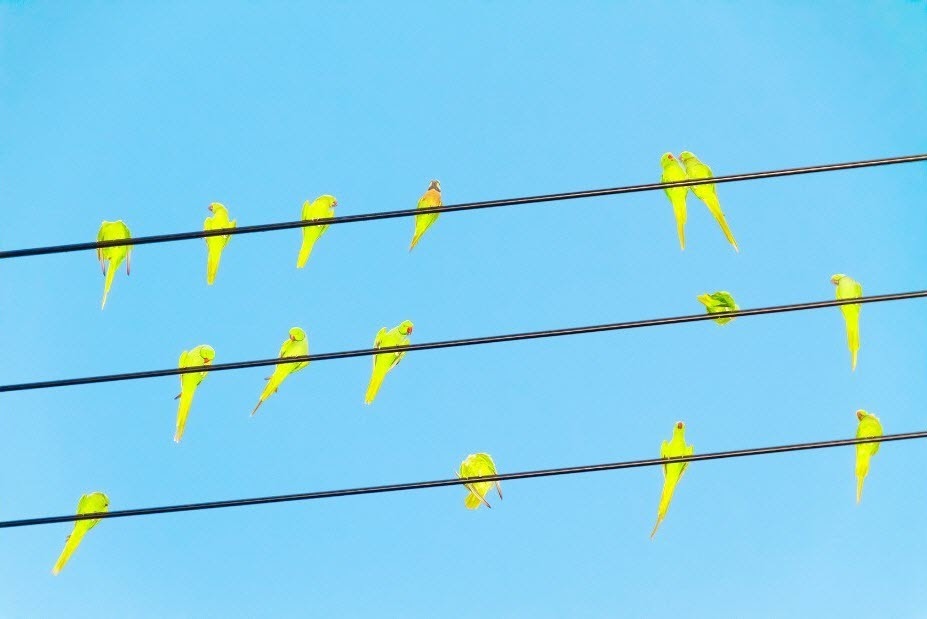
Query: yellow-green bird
672	473
322	207
672	173
869	427
696	170
478	465
297	345
384	362
93	503
849	288
215	244
199	356
719	302
430	199
111	257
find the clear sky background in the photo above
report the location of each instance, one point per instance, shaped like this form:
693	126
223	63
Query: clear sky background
149	113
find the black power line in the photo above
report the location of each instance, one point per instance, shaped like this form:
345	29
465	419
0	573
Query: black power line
467	206
328	494
492	339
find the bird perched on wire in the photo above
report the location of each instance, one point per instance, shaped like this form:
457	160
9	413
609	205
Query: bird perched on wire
219	220
430	199
111	257
296	345
384	362
673	173
199	356
720	302
696	170
849	288
869	427
672	472
322	207
92	503
478	465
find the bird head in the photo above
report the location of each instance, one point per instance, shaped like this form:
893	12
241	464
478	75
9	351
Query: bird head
686	155
435	185
861	413
835	279
207	354
297	334
327	201
667	159
405	327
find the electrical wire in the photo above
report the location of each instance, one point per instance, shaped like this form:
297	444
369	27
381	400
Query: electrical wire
468	206
328	494
511	337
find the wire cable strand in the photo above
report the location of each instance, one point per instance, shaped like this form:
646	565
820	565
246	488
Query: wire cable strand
328	494
475	341
451	208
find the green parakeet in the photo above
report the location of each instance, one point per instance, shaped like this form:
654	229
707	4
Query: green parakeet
384	362
672	473
430	199
297	345
719	302
322	207
869	427
200	356
478	465
93	503
672	173
849	288
111	257
696	170
215	244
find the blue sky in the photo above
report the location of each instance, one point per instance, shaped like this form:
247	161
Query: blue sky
149	113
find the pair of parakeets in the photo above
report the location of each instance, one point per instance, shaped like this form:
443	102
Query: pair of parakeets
869	426
296	345
475	465
847	288
694	169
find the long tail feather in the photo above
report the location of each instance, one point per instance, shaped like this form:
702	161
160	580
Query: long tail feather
183	409
70	546
715	207
679	211
376	379
859	488
110	274
304	251
669	486
212	265
852	320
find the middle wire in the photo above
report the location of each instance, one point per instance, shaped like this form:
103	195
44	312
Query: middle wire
511	337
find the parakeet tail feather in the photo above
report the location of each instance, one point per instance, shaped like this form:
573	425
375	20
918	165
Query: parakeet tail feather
665	497
110	274
212	265
715	207
70	546
304	253
375	381
183	409
859	488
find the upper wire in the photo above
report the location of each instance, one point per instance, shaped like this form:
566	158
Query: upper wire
467	206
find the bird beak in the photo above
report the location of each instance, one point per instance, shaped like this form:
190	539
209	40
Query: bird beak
209	208
292	339
860	414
